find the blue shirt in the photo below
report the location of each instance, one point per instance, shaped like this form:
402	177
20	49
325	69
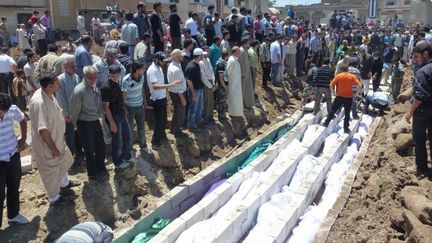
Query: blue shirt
141	21
215	54
381	97
64	93
133	91
103	71
314	45
8	140
82	59
389	39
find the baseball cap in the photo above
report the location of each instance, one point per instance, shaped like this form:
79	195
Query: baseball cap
160	56
199	52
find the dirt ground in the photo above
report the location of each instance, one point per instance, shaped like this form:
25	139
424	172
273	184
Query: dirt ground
131	194
388	203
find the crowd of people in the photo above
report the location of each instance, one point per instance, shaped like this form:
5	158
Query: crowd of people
75	99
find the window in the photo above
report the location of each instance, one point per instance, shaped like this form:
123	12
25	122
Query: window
408	2
226	2
390	3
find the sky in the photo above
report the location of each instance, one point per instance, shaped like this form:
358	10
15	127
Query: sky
295	2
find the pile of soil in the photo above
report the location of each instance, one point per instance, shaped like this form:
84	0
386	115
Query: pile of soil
133	193
388	203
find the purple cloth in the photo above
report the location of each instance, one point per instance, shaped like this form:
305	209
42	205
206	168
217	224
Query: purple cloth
214	186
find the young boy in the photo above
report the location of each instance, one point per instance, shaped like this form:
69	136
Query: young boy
115	114
19	89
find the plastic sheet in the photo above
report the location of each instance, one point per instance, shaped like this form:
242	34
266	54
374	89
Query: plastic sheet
146	236
214	186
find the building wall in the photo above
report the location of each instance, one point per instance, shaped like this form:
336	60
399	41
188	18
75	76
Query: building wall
11	9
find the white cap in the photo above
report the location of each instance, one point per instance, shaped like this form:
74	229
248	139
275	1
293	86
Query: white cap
199	52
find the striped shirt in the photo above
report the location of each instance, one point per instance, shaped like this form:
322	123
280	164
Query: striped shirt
133	91
8	140
323	76
87	233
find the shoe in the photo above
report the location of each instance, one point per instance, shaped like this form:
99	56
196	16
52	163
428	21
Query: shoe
122	166
356	117
325	124
421	174
72	183
19	219
347	131
61	200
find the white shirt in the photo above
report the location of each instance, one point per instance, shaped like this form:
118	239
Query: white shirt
279	26
192	25
275	52
155	76
174	73
292	47
6	63
29	71
207	73
80	21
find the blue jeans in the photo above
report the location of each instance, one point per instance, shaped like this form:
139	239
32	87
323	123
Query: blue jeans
195	109
137	114
275	72
121	140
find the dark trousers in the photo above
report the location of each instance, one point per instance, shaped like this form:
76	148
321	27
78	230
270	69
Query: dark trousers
6	83
73	139
94	148
176	42
208	105
137	114
376	83
42	47
338	103
179	113
320	91
396	84
10	178
121	140
422	122
266	67
160	114
158	44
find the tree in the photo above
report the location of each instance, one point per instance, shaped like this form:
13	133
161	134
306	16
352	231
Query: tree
271	3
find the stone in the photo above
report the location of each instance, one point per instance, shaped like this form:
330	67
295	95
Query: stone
204	141
416	231
397	218
418	204
165	157
399	127
403	142
255	117
26	164
405	96
193	150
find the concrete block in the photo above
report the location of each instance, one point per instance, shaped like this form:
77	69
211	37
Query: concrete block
193	215
178	194
171	232
160	238
26	164
227	227
265	160
210	204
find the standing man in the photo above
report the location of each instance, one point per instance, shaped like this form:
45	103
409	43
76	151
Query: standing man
192	25
157	86
215	51
157	30
10	161
344	83
4	33
82	55
115	115
376	70
208	79
276	59
365	70
48	65
174	24
52	156
68	81
292	52
177	93
235	96
7	69
421	112
102	66
129	33
81	23
321	82
246	76
208	25
142	53
46	21
141	20
86	110
388	54
265	59
196	85
135	100
29	71
222	86
97	28
253	61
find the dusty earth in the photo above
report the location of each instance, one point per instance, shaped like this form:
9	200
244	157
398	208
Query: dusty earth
130	194
388	203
